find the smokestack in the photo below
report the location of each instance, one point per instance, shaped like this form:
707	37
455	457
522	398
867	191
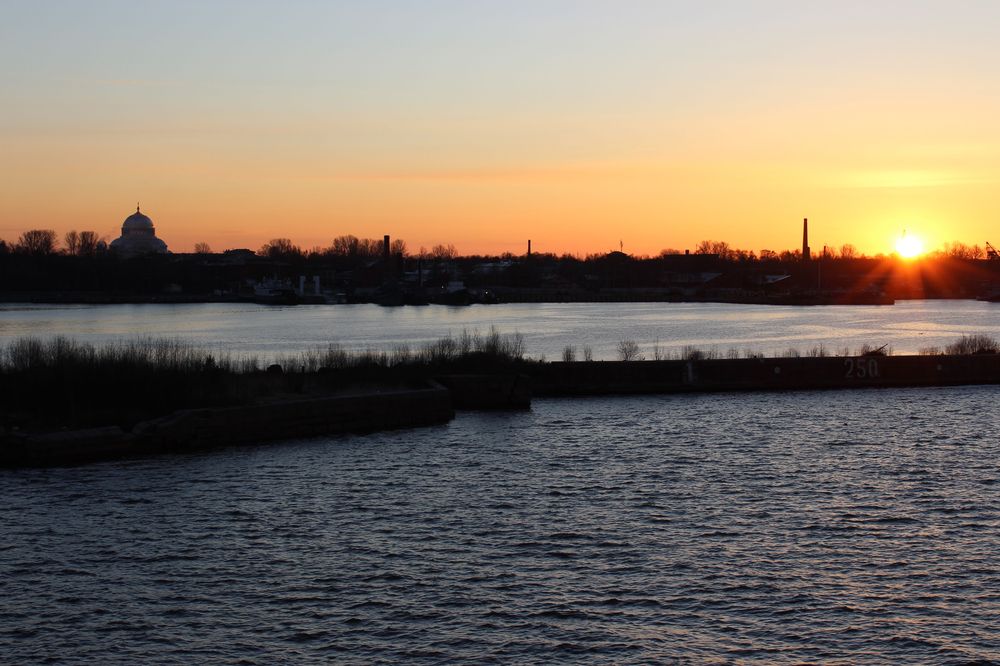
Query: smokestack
529	248
385	247
805	239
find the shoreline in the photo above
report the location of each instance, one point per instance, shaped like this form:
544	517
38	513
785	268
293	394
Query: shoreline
500	297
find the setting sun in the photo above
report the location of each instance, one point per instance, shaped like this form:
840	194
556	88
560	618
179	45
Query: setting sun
909	246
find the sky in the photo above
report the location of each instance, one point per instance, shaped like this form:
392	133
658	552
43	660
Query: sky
580	125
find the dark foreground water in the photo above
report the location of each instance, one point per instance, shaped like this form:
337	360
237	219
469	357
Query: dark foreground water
851	527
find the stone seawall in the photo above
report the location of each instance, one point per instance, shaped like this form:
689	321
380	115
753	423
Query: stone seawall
482	391
196	429
763	374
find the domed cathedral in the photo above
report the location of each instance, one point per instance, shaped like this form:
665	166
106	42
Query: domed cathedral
138	237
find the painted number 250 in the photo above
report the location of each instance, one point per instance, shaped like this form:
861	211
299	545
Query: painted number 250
861	368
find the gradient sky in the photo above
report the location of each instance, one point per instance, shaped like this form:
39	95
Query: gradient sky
577	124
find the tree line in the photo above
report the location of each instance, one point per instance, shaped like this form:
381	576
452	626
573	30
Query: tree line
723	250
88	243
46	241
351	247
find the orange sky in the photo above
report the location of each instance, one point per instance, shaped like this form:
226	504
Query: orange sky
577	124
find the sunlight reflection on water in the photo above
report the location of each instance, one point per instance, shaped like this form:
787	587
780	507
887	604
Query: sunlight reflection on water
906	327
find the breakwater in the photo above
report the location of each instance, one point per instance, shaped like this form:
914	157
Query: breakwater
488	391
509	388
198	429
762	374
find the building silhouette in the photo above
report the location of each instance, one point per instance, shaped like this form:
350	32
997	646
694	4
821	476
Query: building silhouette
138	237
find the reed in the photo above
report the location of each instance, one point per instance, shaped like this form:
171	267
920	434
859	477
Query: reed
60	381
978	343
628	350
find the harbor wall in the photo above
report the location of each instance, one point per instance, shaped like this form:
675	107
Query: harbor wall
483	391
762	374
197	429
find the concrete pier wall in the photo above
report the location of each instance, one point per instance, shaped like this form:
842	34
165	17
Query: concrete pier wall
504	391
195	429
597	378
381	410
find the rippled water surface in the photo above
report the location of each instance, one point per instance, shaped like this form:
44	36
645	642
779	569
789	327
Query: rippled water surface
548	328
834	527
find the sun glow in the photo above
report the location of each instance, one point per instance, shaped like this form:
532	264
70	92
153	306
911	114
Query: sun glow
909	246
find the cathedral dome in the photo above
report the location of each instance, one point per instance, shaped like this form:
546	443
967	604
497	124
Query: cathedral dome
138	237
137	222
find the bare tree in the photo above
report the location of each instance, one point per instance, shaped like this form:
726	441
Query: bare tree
202	248
370	247
344	246
848	251
628	350
81	244
37	241
72	242
444	251
398	246
720	248
280	248
88	243
958	250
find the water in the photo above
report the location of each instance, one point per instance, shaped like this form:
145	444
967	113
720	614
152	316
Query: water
548	328
834	527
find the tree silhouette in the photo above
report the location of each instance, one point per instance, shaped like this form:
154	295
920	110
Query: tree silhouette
280	248
89	243
81	244
72	242
37	242
444	251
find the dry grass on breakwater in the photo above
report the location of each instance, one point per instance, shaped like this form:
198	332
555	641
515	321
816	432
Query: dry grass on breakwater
157	396
60	382
46	384
630	350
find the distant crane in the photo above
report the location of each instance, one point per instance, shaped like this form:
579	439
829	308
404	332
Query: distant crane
991	252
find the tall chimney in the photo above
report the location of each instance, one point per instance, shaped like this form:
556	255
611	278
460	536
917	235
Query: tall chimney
385	247
805	239
529	248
